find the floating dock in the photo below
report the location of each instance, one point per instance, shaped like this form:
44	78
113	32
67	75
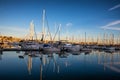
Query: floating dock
16	49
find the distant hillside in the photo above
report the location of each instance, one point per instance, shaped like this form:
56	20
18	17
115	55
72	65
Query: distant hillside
9	39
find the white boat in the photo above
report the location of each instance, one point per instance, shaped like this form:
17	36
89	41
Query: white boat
85	49
70	47
48	47
110	48
31	45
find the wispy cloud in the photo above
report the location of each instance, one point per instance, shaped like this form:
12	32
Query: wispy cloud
13	31
114	7
69	24
112	25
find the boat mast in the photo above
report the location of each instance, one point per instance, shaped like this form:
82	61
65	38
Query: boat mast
118	39
32	34
43	25
85	38
59	31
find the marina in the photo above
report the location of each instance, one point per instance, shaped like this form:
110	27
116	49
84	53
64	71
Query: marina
31	43
59	40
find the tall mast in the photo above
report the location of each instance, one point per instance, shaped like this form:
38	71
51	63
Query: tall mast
43	21
85	38
59	31
43	25
118	39
104	39
32	34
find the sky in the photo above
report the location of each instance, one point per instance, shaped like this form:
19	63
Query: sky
75	16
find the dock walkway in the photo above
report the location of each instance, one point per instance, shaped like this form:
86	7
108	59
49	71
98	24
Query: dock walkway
16	49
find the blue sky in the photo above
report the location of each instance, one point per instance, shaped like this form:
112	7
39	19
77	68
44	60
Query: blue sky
75	16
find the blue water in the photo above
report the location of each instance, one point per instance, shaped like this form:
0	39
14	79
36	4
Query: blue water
59	66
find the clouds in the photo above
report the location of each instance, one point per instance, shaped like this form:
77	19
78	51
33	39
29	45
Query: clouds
14	31
69	24
112	25
114	7
115	25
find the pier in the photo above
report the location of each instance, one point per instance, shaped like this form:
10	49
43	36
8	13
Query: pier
16	49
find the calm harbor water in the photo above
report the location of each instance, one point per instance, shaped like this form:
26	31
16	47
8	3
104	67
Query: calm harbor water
59	66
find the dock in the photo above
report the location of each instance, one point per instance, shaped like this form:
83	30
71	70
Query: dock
16	49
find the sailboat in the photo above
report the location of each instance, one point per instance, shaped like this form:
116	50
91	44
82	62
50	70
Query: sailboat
30	43
47	47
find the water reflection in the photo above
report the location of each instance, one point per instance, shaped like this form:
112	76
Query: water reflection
29	64
110	60
55	64
1	52
45	59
